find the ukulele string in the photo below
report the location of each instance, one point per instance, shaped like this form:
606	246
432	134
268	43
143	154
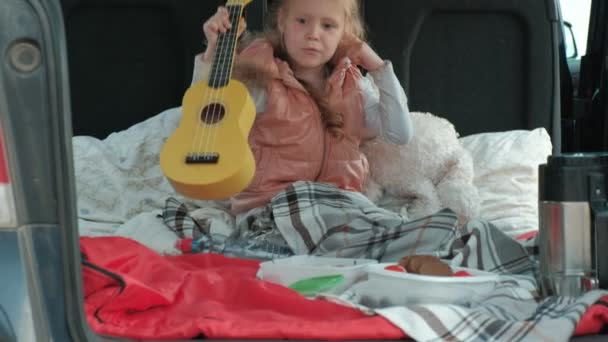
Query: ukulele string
197	120
208	104
217	78
201	120
212	94
235	14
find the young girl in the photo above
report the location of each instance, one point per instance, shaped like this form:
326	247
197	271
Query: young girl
314	107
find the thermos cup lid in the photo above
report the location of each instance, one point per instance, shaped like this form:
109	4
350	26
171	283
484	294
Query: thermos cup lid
576	177
579	160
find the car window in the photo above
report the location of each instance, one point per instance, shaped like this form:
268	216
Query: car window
576	12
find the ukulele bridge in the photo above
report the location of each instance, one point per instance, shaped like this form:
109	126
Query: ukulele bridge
202	158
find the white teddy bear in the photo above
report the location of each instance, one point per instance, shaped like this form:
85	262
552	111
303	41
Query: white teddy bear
432	172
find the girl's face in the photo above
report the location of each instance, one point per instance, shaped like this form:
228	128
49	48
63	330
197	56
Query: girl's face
312	30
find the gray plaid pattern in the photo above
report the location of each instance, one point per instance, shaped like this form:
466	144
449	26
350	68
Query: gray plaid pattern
177	218
319	219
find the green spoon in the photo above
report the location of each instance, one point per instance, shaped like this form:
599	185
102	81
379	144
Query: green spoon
311	286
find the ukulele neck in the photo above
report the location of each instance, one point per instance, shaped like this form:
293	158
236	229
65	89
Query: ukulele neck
223	60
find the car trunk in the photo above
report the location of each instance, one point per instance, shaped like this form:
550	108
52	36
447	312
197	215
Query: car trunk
94	67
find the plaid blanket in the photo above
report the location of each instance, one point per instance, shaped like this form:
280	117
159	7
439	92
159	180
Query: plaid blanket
319	219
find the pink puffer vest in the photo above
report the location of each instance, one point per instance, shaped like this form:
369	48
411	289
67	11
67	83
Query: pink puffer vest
289	140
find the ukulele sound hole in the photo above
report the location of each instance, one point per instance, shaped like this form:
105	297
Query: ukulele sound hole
213	113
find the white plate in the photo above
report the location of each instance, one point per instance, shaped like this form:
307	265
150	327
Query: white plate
389	288
290	270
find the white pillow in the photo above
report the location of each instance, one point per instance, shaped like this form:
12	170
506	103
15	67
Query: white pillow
506	175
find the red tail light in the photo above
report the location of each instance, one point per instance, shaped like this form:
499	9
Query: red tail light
7	202
3	165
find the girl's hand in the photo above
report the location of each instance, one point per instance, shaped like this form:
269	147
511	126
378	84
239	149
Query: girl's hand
218	23
360	53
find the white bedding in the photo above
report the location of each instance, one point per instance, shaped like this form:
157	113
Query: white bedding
121	188
506	176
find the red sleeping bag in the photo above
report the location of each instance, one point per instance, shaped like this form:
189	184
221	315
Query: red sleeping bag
131	291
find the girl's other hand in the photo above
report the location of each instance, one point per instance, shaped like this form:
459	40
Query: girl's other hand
360	53
218	23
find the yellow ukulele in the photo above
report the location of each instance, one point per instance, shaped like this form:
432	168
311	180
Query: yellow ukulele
208	156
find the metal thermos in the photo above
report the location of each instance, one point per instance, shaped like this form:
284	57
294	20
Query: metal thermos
573	217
